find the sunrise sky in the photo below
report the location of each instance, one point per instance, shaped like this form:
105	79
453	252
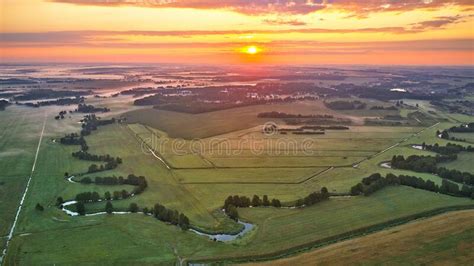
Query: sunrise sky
224	31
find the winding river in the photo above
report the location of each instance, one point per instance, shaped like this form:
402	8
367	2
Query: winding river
227	237
216	237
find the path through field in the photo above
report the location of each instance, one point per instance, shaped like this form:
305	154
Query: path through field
10	234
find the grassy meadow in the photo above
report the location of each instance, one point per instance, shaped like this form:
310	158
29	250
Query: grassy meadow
429	241
199	161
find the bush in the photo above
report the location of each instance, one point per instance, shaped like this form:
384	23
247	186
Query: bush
109	208
38	207
133	207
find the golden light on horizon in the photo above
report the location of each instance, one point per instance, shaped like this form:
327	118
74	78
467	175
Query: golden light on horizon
99	31
251	50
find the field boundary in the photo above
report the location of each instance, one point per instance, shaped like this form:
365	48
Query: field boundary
212	165
12	230
336	238
260	182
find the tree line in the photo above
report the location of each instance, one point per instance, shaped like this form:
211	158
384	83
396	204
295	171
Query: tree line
420	163
36	94
450	148
345	105
173	217
159	211
231	203
84	108
138	181
275	114
94	168
74	139
465	128
376	182
445	135
390	108
428	164
83	155
111	162
4	104
60	115
91	122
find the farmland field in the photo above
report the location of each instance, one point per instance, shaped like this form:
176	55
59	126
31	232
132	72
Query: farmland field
432	240
192	163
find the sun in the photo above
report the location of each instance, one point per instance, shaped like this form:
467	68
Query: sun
251	50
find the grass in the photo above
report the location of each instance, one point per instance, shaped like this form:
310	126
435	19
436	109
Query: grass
200	182
462	163
18	136
300	226
443	239
469	137
139	239
198	126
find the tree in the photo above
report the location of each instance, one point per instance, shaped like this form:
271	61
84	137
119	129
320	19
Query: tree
183	222
356	190
466	191
232	212
265	201
299	203
95	196
109	208
174	217
276	203
66	175
59	201
125	194
133	207
256	201
146	211
86	180
93	168
80	208
324	190
107	195
38	207
117	195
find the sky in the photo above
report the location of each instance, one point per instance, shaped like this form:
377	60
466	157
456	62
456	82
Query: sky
283	32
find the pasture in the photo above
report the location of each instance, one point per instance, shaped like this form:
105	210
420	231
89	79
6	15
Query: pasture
428	241
199	126
230	156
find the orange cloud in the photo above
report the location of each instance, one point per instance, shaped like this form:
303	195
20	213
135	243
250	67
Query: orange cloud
255	7
281	21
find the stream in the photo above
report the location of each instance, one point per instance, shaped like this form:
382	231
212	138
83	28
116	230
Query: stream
216	237
226	237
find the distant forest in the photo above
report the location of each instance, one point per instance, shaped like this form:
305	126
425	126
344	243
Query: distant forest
3	104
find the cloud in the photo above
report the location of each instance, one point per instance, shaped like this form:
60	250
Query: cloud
257	7
281	21
438	22
249	7
77	36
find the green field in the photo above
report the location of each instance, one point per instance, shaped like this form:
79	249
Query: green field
428	241
192	126
19	135
145	237
463	163
194	176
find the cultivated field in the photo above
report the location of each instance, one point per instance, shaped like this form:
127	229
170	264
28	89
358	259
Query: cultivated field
222	153
429	241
